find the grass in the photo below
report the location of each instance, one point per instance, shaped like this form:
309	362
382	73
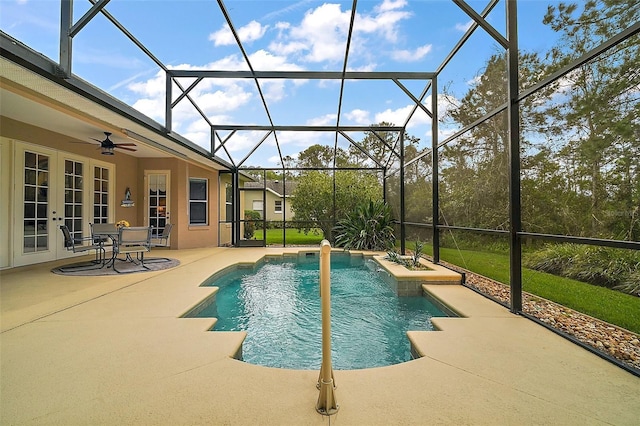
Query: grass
608	305
294	237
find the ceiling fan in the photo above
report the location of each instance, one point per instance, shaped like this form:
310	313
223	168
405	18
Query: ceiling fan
108	146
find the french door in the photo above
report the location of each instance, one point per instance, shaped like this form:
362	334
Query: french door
51	189
157	183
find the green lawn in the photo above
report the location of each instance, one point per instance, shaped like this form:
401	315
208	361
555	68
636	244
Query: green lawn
600	302
294	237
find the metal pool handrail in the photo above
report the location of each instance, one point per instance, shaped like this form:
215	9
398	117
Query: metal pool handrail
327	404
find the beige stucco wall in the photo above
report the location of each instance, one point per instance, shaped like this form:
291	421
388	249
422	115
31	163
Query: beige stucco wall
183	234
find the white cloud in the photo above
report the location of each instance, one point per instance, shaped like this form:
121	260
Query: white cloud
264	60
250	32
223	100
363	68
445	103
391	5
153	107
324	120
321	35
152	88
474	81
411	55
285	10
399	116
463	27
274	160
359	116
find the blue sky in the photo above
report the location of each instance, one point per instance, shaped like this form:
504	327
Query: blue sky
390	35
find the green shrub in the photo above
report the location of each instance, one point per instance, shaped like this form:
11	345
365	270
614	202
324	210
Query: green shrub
631	285
603	266
252	220
368	227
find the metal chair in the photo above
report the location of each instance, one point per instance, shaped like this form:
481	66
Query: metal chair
162	240
132	240
101	232
77	244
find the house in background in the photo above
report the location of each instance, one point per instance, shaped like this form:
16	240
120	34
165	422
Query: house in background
271	198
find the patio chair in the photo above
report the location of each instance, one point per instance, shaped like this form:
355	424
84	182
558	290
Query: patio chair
162	240
132	240
103	233
79	245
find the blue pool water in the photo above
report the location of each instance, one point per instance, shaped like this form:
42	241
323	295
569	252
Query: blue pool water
279	306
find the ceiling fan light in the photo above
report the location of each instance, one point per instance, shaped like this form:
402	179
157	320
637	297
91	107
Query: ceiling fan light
107	151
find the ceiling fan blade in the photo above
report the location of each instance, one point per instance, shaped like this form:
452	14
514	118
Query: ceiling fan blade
125	144
97	140
125	148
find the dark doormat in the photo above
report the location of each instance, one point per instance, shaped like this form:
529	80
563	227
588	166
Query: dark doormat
90	269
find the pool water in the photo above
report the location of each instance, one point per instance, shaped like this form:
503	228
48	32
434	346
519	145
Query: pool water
278	305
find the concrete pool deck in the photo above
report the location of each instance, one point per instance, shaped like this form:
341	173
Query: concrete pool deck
114	351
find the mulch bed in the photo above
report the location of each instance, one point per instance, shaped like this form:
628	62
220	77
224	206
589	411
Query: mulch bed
606	338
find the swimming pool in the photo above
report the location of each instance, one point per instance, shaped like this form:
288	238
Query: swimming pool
278	305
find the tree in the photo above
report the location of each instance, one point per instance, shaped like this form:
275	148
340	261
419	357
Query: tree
474	169
599	111
258	174
313	198
382	146
321	157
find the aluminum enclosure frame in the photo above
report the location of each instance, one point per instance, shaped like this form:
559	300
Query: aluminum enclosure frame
63	74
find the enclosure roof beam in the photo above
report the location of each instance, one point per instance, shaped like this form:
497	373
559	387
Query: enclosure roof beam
304	75
250	127
483	23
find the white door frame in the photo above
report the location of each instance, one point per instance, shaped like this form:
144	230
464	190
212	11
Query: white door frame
147	196
55	207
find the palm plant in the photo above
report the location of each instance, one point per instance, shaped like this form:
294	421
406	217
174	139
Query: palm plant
368	227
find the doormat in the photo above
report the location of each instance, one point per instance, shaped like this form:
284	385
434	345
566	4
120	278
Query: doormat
90	269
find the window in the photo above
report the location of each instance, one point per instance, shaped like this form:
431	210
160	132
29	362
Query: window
228	203
257	206
278	207
198	203
100	195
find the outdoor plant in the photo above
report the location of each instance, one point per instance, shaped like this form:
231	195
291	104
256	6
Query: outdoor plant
410	262
417	254
603	266
251	219
395	257
368	227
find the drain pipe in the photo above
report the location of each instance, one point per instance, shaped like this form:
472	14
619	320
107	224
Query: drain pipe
327	404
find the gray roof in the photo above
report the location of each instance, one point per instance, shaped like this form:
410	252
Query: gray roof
277	186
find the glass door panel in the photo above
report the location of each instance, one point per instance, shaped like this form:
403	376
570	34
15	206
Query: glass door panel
73	197
100	194
158	201
35	218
